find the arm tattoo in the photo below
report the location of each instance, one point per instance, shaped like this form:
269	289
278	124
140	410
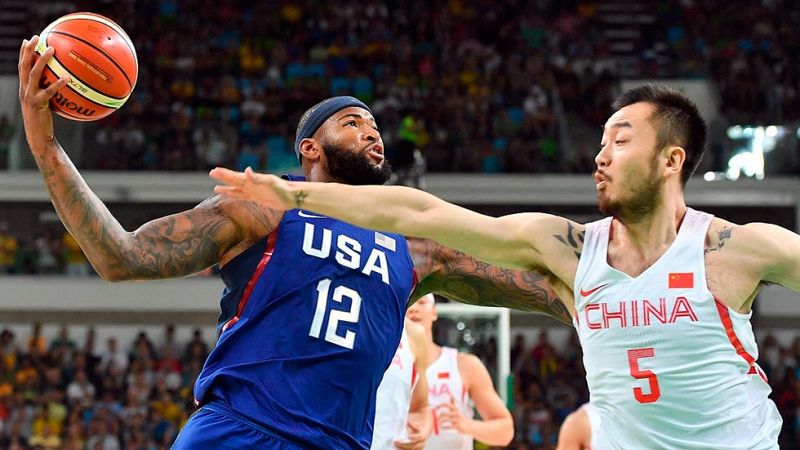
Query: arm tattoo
460	277
573	239
265	218
300	198
172	246
722	236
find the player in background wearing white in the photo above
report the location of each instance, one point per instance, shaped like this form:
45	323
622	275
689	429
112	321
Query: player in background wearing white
456	380
576	431
403	418
661	294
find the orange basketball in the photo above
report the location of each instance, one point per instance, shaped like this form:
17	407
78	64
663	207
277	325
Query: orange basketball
98	57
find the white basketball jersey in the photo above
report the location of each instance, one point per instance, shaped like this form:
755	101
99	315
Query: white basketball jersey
668	365
444	384
394	398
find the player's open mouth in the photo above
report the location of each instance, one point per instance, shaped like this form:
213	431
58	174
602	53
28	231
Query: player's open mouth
375	153
600	180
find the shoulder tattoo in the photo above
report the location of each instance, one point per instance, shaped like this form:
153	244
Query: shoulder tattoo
722	236
572	238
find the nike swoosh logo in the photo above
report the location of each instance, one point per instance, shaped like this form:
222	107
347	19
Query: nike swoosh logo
592	291
301	213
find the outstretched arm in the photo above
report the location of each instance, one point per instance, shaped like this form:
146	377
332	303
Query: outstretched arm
516	241
458	276
173	246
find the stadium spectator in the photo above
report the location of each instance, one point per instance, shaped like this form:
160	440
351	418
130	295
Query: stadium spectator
113	356
75	262
6	133
8	249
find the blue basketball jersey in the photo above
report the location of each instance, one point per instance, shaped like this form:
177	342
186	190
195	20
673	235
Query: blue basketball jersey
311	317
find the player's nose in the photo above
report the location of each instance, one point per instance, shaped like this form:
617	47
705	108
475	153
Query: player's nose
602	158
371	134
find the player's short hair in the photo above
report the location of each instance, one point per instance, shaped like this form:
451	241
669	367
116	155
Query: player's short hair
676	119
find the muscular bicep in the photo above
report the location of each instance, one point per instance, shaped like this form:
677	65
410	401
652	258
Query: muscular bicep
458	276
190	241
779	249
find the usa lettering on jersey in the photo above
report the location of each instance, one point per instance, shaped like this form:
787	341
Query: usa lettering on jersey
318	242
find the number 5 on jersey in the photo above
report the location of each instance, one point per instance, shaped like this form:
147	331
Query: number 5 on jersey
335	316
633	361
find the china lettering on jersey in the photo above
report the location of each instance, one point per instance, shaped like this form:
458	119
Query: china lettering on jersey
638	313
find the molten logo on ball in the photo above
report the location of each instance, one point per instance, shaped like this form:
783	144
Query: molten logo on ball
68	104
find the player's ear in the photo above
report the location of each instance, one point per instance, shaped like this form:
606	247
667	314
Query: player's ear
310	149
675	156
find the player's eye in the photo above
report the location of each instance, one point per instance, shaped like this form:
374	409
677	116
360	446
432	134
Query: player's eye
351	123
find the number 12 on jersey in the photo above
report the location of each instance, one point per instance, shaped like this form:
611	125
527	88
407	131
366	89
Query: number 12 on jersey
633	361
335	316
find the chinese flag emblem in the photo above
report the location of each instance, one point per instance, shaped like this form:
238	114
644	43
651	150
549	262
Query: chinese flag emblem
681	280
443	375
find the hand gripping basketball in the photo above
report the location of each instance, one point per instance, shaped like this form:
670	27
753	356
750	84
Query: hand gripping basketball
33	98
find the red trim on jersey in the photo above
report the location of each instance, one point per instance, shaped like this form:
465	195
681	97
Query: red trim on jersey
725	317
262	264
414	279
413	375
435	422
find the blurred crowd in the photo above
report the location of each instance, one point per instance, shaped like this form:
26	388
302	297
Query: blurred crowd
224	85
750	49
59	393
477	86
47	253
52	251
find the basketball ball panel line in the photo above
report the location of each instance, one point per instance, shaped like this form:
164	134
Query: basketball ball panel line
100	112
105	21
100	50
83	43
106	39
78	86
108	23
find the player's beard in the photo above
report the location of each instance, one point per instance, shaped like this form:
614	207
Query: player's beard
354	167
642	198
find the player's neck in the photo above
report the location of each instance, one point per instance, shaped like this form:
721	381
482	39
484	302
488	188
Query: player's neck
318	174
653	232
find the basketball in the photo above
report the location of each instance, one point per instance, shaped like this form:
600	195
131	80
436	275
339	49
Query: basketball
98	57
